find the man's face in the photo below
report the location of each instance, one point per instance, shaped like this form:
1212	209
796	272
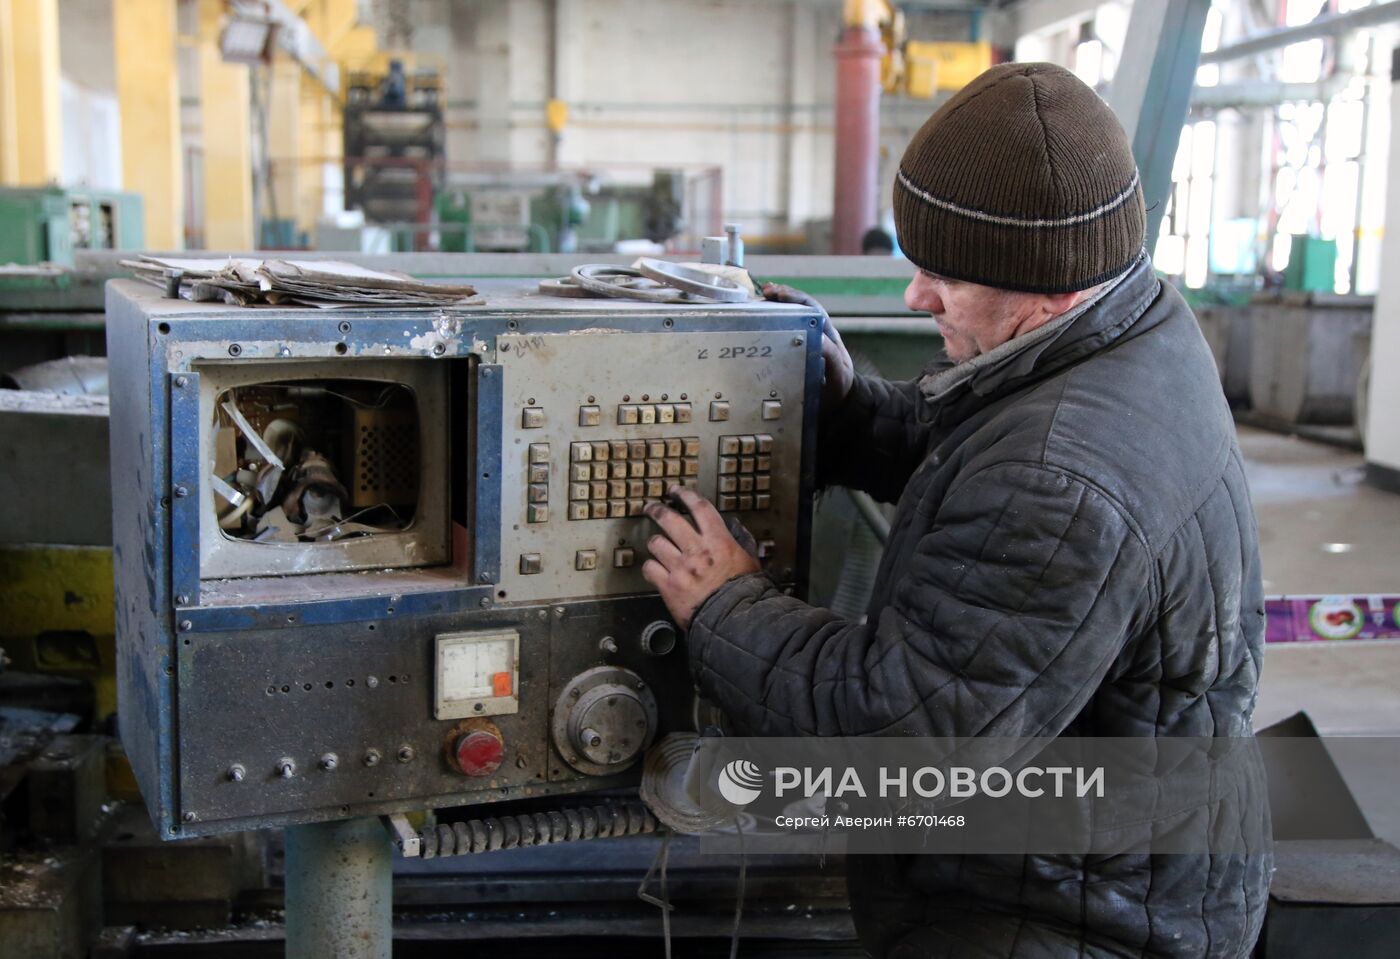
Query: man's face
975	319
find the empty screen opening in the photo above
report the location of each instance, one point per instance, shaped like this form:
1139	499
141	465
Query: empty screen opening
316	461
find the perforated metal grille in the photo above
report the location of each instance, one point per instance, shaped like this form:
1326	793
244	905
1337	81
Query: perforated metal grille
385	460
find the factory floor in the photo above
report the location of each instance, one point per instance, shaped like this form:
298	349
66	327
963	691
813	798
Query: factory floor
1322	528
1324	531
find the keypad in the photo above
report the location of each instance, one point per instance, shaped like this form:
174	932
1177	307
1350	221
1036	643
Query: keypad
612	479
745	479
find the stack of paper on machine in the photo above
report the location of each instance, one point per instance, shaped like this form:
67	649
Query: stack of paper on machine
243	281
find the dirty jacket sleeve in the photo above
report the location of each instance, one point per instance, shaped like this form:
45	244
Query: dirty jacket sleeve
1023	588
874	441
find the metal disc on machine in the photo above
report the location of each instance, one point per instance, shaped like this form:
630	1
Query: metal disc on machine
664	786
711	286
625	283
566	286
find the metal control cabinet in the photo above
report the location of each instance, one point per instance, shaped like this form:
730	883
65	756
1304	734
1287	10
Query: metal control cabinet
499	641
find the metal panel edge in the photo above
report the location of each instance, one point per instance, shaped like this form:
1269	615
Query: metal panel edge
343	610
186	483
811	419
489	410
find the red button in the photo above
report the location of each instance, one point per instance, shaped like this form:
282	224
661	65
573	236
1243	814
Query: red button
479	753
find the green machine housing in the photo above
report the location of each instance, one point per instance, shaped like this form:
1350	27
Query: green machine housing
46	224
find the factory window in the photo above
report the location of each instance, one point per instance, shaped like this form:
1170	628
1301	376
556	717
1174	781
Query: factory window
1321	197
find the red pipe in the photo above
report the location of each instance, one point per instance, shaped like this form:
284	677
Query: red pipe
857	137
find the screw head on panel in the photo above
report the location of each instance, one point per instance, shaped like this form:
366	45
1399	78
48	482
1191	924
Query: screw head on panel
371	757
236	772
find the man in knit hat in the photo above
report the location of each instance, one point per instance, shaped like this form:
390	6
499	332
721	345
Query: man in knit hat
1074	551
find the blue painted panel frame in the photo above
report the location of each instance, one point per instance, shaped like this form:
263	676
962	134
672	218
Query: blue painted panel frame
490	393
816	370
185	486
328	611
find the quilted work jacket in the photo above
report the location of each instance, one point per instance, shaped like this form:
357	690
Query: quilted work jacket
1074	553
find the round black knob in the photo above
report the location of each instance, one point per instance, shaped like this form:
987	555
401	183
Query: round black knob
659	638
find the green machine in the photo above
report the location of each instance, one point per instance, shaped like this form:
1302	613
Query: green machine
46	224
556	212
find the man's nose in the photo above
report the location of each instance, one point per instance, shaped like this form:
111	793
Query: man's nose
921	297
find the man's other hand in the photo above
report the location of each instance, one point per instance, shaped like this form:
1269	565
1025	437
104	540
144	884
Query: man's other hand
689	562
839	376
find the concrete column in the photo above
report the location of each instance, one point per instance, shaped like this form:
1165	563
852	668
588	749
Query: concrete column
493	83
857	137
228	157
800	95
31	131
143	32
289	166
1383	427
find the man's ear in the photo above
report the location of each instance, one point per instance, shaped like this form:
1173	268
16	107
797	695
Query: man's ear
1057	303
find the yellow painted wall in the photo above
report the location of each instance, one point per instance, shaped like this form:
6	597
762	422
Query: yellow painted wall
31	132
149	98
225	117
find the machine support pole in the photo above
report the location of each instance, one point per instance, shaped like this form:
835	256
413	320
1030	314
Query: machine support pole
857	137
1151	92
339	890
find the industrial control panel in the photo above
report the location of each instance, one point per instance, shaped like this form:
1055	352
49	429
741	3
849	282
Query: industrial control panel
376	560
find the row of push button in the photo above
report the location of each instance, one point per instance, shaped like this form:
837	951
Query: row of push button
623	557
646	414
537	492
584	560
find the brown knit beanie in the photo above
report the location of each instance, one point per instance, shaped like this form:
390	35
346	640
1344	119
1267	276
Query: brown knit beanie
1024	180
